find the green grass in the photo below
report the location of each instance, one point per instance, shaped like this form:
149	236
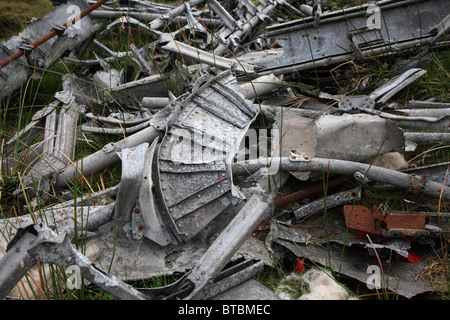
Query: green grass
14	15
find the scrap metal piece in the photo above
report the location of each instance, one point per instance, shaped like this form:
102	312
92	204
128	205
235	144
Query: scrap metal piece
386	91
115	13
156	227
170	15
58	149
304	45
355	102
357	137
298	137
103	157
348	168
196	283
31	131
204	280
39	242
232	41
403	281
126	20
132	167
414	104
206	57
224	15
408	226
17	66
194	182
223	248
327	202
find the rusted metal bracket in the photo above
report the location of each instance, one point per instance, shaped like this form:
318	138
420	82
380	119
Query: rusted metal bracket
408	226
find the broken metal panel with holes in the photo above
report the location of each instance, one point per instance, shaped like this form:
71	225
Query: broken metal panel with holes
342	35
191	168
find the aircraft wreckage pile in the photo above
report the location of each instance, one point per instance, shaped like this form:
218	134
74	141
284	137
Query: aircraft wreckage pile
209	129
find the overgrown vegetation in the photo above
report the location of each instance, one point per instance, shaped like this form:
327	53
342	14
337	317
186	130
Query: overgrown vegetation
14	15
17	111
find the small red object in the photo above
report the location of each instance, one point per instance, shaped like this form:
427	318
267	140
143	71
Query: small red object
299	267
413	258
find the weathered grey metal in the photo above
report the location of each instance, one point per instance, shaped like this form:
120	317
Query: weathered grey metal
132	167
434	172
306	46
73	39
114	131
234	276
125	20
169	16
142	5
57	249
84	217
46	246
121	118
223	14
336	137
413	123
198	282
156	227
58	149
413	104
231	41
228	242
344	260
260	86
435	113
207	57
30	132
427	137
104	157
374	173
155	102
386	91
194	182
155	85
149	16
327	202
297	134
17	260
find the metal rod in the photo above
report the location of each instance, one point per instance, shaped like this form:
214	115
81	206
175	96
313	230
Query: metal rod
49	35
371	172
315	189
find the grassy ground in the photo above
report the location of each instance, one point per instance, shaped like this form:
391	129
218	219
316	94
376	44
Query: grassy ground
17	111
14	14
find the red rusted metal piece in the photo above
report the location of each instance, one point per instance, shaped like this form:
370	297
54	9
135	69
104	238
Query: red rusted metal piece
314	190
50	35
262	230
406	225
